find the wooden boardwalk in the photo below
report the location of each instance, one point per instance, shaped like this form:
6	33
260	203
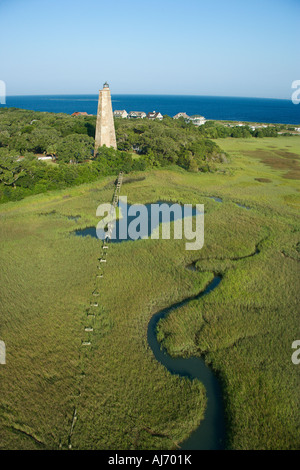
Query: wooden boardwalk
86	343
102	259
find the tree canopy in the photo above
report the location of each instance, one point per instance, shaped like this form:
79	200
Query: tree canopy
25	134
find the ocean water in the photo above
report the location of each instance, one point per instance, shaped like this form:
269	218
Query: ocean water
212	107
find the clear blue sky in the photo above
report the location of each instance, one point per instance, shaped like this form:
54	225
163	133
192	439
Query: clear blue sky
195	47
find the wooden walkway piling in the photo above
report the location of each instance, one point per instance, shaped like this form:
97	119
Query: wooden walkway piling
91	316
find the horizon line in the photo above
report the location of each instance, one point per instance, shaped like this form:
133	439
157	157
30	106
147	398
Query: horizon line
150	94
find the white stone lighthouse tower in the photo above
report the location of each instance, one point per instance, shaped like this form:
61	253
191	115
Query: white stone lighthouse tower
105	128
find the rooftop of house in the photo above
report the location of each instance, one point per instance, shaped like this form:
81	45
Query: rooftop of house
153	114
137	113
178	115
80	113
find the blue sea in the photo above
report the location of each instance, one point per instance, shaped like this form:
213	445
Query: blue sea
211	107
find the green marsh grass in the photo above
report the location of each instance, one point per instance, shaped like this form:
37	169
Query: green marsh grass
127	400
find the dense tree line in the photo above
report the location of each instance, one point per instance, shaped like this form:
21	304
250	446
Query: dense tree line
214	130
22	177
70	140
142	144
49	133
169	142
25	134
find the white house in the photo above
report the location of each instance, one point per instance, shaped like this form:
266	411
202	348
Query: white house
136	115
120	113
154	115
197	120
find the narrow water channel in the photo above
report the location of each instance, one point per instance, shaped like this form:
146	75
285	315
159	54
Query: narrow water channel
210	434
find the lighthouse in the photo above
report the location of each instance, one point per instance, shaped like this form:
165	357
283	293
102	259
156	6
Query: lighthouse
105	128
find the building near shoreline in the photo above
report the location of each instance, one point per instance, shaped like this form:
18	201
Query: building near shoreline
154	115
105	127
136	115
179	115
197	120
120	113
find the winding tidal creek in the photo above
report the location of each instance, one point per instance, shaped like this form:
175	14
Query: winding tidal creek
210	434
